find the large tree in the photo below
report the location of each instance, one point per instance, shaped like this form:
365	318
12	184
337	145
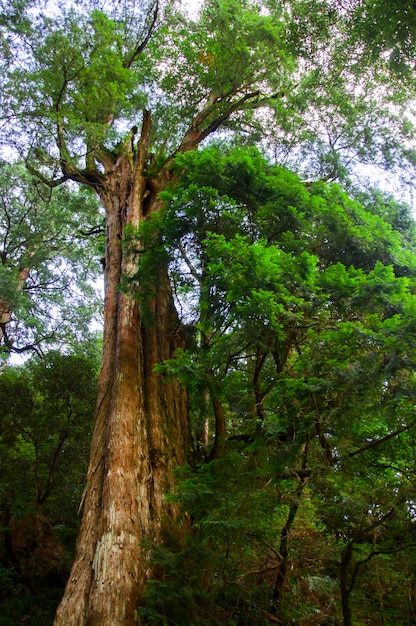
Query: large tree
108	100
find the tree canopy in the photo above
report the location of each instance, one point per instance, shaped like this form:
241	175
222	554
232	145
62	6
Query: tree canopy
76	78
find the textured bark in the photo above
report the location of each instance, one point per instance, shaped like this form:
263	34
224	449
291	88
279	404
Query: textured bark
141	430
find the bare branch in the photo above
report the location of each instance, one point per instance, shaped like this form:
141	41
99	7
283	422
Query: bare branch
377	442
254	572
42	497
142	45
34	347
188	262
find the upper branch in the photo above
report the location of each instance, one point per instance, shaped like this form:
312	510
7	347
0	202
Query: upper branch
90	177
10	347
142	45
210	118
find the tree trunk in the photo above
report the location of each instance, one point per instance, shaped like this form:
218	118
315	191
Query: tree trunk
141	430
284	553
220	428
346	559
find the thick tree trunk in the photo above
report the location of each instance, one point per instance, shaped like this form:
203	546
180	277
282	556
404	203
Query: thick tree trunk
141	430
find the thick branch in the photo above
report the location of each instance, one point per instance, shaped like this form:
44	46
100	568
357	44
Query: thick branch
196	134
104	156
143	143
92	178
237	106
89	177
251	100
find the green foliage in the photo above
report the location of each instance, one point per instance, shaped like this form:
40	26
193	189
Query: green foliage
232	47
81	69
40	608
390	28
46	409
299	303
87	74
232	510
46	266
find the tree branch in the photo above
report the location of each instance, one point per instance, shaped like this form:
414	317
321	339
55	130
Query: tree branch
46	181
377	442
187	260
142	45
372	554
42	497
237	106
106	157
254	572
35	347
96	230
195	134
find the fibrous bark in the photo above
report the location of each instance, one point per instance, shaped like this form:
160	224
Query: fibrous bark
141	432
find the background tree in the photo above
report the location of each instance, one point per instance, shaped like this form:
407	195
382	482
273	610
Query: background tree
46	412
47	266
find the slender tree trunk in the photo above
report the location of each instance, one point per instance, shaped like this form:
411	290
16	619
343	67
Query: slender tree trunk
6	552
284	541
141	430
220	428
284	552
345	586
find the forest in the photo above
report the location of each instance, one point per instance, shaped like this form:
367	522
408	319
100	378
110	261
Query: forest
224	434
